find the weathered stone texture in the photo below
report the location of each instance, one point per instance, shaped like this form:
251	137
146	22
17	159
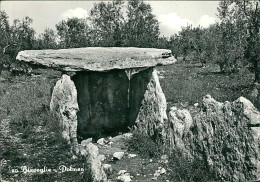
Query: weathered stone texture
97	58
90	151
152	114
65	105
180	122
225	135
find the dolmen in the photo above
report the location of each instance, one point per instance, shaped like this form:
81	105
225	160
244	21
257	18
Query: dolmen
104	90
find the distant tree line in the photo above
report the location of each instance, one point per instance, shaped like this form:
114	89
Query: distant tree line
232	43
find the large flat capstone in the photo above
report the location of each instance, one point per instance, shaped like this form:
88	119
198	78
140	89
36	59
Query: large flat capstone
97	58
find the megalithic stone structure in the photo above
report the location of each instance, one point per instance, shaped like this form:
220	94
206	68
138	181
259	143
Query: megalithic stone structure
110	90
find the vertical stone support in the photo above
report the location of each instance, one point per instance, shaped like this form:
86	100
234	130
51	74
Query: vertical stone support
152	114
65	105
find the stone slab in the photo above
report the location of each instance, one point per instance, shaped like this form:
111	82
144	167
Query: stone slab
97	58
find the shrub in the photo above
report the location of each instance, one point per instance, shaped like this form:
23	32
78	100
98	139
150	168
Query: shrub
144	145
184	169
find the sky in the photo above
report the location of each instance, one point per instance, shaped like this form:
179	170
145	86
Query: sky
172	15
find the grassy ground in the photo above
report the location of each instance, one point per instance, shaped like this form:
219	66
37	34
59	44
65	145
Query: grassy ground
30	135
185	84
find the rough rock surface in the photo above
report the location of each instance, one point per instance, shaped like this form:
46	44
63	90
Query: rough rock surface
90	151
97	58
180	122
152	114
226	135
64	104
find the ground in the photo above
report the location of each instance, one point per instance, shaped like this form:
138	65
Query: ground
29	134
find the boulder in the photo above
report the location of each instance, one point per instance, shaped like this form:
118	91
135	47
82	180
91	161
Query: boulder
225	135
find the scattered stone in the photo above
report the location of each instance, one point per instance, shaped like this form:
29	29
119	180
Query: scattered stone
121	172
118	155
163	171
127	135
196	104
157	173
151	160
154	178
124	178
101	141
132	155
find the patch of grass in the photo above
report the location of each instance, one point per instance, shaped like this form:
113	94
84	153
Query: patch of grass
184	82
184	169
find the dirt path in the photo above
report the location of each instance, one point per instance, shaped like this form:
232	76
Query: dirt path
140	169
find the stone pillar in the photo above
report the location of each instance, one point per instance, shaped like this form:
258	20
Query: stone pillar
152	114
65	105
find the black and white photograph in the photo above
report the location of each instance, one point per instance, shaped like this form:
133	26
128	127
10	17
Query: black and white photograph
129	91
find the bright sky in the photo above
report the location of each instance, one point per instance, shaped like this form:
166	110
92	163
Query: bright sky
172	15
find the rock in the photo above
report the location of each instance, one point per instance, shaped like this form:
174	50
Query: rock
157	173
101	141
107	168
226	135
127	135
102	157
124	178
196	104
132	155
118	155
97	171
97	58
121	172
162	171
152	114
180	122
64	104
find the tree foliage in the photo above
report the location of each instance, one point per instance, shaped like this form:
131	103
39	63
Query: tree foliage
73	33
107	23
141	28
